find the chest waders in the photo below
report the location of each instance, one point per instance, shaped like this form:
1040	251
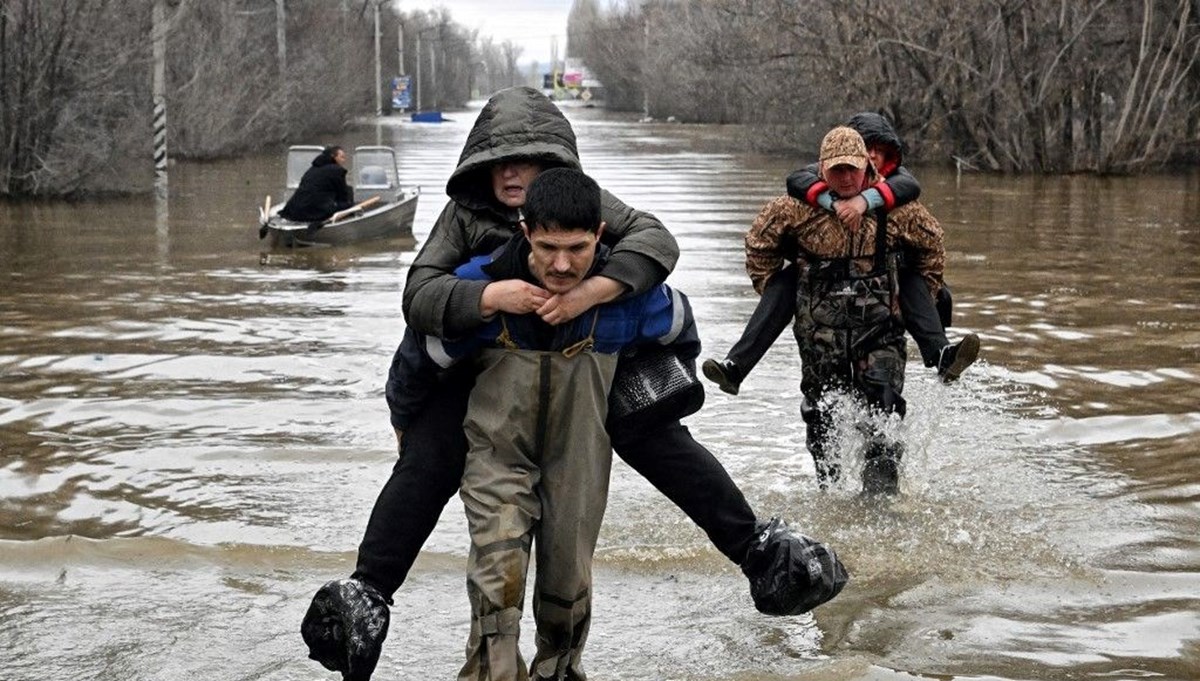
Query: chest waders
536	474
851	336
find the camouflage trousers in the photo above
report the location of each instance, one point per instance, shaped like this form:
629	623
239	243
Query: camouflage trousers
851	339
536	475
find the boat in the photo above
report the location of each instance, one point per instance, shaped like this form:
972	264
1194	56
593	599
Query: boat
384	209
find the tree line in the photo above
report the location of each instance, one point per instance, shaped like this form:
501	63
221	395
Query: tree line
1054	86
75	80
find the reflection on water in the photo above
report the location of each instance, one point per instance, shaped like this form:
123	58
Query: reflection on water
192	433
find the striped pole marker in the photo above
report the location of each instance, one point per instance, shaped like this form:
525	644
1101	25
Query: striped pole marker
159	36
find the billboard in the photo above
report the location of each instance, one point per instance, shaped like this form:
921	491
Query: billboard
401	93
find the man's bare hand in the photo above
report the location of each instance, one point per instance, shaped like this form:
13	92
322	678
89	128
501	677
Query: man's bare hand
512	295
850	211
399	438
593	291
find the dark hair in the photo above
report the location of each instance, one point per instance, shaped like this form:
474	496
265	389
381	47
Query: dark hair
562	198
325	158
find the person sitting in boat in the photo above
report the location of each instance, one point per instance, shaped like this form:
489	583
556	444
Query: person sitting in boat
323	190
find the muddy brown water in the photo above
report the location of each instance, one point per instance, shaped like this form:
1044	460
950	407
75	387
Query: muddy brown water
192	434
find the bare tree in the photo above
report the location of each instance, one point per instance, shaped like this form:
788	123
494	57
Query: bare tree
1008	85
75	81
445	54
1165	61
612	45
65	99
512	52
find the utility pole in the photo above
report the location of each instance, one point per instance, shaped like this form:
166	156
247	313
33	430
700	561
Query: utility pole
646	62
433	74
433	91
159	95
281	36
281	57
400	56
378	74
554	62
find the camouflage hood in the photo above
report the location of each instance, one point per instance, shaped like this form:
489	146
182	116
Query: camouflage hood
517	122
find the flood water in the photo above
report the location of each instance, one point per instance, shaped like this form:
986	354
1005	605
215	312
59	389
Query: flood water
192	435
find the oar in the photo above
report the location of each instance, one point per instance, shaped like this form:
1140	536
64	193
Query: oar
264	217
314	226
351	210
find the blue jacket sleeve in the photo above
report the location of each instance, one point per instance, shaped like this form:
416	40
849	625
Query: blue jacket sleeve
667	319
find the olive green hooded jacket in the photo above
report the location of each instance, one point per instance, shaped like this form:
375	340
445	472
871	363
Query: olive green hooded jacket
516	123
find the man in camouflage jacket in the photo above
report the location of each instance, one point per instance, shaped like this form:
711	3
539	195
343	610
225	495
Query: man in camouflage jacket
848	324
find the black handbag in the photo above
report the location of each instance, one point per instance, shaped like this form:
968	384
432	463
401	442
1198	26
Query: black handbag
653	386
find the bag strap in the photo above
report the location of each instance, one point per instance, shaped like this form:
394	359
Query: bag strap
881	223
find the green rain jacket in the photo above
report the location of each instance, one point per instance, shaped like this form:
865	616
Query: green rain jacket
516	123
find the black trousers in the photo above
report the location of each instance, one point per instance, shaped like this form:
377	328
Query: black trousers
921	317
431	464
777	308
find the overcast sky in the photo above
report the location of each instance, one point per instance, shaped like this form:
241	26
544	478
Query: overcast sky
528	23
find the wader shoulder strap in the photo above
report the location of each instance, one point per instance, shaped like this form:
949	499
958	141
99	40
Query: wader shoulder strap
585	344
505	340
881	223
